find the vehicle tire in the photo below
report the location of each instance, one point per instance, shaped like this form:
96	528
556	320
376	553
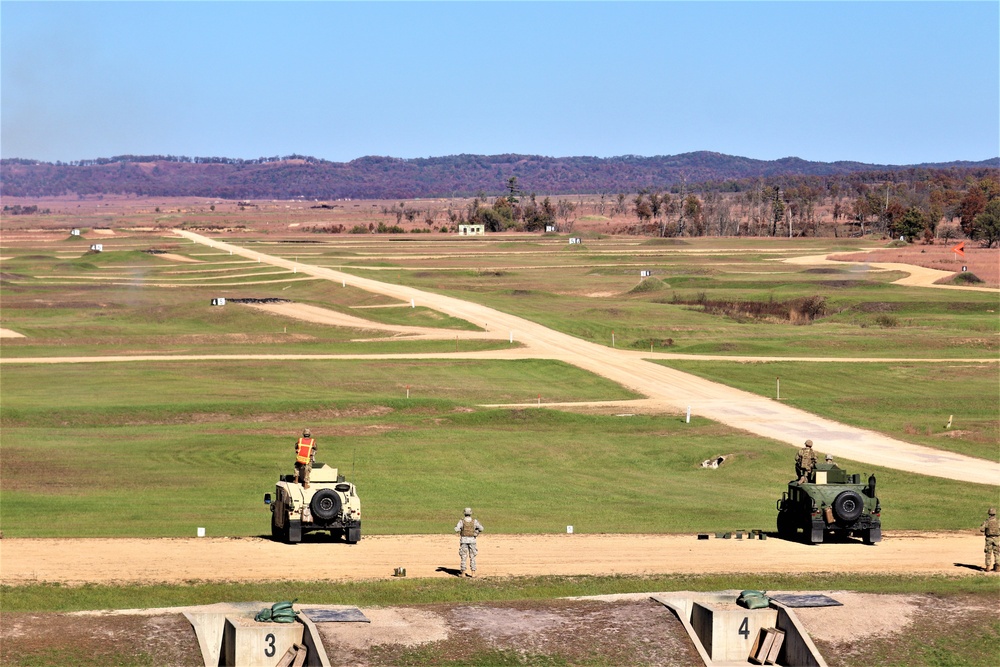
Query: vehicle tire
847	506
278	533
325	505
786	529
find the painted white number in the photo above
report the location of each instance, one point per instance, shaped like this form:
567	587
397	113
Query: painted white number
744	628
270	649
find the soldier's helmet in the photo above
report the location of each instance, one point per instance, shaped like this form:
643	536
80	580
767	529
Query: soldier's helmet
468	511
306	433
829	457
809	443
993	511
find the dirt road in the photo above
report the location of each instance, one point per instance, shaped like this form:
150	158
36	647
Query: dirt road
670	389
178	560
916	276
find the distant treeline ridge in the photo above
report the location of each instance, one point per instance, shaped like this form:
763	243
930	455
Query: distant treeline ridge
299	176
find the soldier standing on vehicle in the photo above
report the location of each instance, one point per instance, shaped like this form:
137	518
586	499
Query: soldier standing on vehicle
805	462
468	530
305	456
991	529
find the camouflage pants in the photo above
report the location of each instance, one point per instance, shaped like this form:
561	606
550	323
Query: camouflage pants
992	551
302	471
468	549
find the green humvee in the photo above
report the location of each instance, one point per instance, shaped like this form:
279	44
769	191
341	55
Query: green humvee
830	501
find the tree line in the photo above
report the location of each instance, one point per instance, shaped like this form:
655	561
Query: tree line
373	177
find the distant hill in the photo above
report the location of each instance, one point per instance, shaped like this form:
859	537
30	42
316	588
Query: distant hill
393	178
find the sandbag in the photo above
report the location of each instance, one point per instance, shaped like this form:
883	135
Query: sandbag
754	602
279	612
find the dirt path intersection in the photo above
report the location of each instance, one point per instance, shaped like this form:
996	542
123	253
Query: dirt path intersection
669	389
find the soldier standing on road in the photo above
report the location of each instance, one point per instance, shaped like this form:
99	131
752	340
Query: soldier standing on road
468	530
805	462
991	529
305	456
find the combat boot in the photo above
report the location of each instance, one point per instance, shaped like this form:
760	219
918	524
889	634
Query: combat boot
996	567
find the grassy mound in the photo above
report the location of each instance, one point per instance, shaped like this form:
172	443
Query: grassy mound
649	285
964	278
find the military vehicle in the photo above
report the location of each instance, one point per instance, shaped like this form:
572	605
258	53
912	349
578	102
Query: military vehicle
330	503
830	501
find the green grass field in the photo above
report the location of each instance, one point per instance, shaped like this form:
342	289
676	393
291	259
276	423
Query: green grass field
156	449
58	598
218	432
528	471
912	402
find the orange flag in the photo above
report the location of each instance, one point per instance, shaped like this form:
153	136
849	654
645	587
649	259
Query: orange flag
959	249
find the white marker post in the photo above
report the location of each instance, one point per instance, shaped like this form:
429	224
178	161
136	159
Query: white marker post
612	339
777	383
688	420
407	391
413	303
511	336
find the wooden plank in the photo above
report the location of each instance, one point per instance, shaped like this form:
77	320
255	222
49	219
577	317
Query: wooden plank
772	654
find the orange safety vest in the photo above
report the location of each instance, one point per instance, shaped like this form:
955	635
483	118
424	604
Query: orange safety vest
305	450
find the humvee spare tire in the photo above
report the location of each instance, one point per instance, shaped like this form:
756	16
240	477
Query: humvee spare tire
848	505
325	504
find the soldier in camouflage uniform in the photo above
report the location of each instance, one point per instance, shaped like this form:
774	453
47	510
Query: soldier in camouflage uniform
305	457
468	530
991	529
805	462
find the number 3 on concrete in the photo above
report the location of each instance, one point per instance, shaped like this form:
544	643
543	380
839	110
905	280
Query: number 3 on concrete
744	628
270	649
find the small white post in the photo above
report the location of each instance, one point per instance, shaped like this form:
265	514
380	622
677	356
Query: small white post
407	391
688	421
295	269
413	303
539	400
201	532
777	384
612	339
511	336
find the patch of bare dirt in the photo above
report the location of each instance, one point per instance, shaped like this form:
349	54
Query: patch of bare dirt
984	262
896	629
177	258
574	631
63	639
855	620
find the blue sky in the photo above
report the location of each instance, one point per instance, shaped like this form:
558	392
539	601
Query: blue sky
890	83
